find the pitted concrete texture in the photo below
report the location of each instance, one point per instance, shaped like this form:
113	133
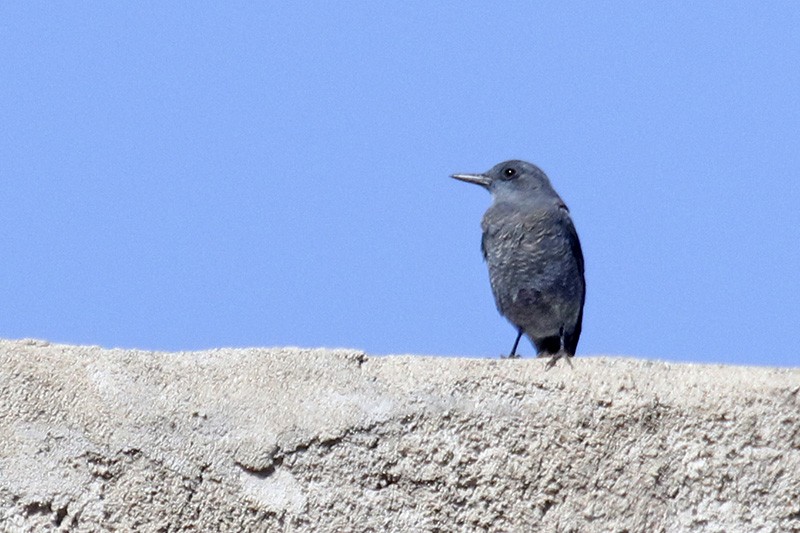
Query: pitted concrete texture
289	439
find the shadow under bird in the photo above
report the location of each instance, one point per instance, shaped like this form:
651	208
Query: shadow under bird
534	258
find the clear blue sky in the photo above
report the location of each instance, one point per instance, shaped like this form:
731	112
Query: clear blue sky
195	175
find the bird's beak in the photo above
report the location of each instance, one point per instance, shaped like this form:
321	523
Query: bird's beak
478	179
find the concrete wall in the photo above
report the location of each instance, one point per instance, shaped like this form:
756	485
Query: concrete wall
287	439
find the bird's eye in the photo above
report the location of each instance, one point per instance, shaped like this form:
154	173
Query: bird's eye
509	172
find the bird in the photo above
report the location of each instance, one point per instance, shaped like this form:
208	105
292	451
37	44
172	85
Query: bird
534	256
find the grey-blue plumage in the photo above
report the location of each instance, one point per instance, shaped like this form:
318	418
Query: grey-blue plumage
534	257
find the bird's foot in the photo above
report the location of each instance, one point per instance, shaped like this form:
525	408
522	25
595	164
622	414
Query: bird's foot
555	357
510	356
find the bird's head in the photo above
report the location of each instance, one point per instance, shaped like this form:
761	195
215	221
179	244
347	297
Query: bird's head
513	181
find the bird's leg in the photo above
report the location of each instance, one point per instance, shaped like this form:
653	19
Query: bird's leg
561	354
513	354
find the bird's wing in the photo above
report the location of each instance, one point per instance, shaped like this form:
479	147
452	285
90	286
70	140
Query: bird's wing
577	253
572	236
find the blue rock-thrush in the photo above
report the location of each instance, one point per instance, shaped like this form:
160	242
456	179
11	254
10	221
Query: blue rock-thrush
534	257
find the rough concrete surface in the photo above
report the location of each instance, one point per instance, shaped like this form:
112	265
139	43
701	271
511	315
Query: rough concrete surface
289	439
